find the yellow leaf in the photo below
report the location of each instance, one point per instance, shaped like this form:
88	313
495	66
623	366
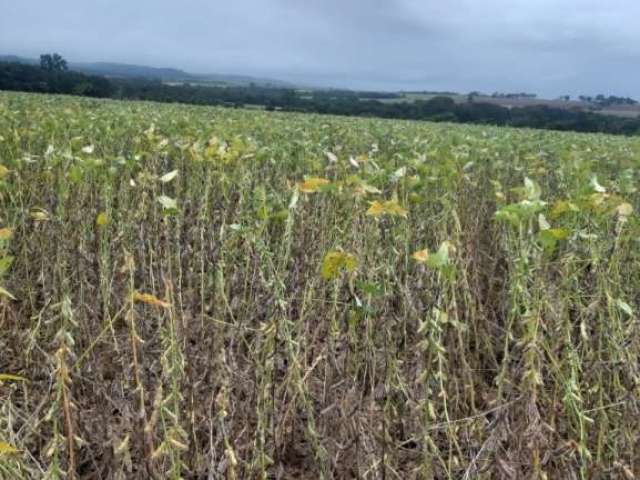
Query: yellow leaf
336	261
39	215
102	219
150	299
8	377
390	207
4	171
6	233
376	209
312	184
421	255
393	208
7	449
624	209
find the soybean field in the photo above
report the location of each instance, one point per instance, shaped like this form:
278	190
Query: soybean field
206	293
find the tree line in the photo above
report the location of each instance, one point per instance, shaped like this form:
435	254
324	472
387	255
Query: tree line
53	76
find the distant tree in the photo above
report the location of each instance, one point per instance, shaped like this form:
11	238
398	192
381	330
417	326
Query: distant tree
59	63
46	62
53	62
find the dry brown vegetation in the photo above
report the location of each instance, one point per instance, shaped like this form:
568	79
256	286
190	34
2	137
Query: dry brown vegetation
201	293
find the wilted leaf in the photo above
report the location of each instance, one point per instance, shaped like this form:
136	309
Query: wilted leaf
167	177
294	200
624	306
150	299
167	203
532	189
312	184
596	186
5	293
543	224
421	255
4	171
88	149
366	188
336	261
398	174
331	157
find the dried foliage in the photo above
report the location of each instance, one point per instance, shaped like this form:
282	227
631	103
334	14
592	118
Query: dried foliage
192	292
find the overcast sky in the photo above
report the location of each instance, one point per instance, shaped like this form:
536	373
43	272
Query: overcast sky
550	47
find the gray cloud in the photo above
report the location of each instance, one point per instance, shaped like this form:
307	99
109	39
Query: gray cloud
550	47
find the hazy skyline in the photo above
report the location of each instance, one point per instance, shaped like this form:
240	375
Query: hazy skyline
550	47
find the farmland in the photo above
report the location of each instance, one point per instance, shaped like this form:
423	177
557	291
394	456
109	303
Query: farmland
194	292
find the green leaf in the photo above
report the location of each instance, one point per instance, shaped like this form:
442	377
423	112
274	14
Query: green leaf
5	264
370	288
624	306
440	258
562	207
550	237
516	213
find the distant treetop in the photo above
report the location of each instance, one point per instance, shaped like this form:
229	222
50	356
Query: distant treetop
53	62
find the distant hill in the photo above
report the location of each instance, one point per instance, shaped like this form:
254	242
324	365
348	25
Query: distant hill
123	70
16	59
